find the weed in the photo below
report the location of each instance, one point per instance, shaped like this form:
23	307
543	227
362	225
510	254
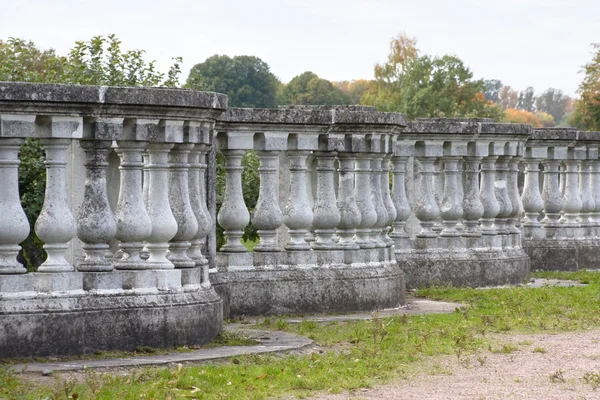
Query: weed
593	379
281	324
557	377
538	349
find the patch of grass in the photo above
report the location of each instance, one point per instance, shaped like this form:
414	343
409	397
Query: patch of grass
593	379
538	349
231	338
249	244
358	354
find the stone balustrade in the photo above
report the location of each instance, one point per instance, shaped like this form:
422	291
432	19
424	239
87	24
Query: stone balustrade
353	205
140	278
323	213
561	198
465	202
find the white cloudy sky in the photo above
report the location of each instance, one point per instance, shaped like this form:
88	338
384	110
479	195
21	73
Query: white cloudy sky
539	43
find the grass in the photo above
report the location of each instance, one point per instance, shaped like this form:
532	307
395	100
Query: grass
354	354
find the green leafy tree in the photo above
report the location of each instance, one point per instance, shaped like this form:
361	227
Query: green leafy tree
307	88
426	86
246	80
444	87
553	102
586	114
387	93
99	61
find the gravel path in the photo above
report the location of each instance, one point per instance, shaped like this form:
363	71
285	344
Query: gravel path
545	367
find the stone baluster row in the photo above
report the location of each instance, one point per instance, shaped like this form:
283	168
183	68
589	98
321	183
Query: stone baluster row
168	216
570	194
481	198
358	216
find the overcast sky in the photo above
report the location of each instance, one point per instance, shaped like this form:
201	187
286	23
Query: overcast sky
539	43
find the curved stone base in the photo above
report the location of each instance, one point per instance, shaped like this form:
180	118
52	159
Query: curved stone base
84	323
312	290
563	254
468	268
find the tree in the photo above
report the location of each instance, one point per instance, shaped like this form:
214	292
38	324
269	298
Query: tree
517	116
527	100
508	97
492	90
307	88
100	61
544	119
246	80
426	86
553	102
355	90
22	61
586	114
387	93
443	87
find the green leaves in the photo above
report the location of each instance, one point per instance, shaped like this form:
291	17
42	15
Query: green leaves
246	80
587	109
99	61
427	86
308	89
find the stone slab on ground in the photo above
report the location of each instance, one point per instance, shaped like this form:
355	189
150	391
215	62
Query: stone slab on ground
270	342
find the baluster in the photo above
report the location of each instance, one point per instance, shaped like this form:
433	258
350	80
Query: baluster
531	197
501	192
133	222
451	208
298	215
491	206
55	225
164	225
401	204
376	197
233	215
572	204
95	222
179	199
14	226
387	200
267	214
326	215
595	183
438	191
513	194
585	190
472	205
553	202
349	213
364	201
197	161
426	208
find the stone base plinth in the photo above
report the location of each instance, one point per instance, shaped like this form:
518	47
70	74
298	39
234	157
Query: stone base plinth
88	312
287	284
568	254
473	266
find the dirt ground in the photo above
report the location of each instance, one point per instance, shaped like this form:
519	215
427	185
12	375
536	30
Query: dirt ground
545	367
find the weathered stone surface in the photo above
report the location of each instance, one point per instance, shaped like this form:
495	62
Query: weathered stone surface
84	324
298	290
